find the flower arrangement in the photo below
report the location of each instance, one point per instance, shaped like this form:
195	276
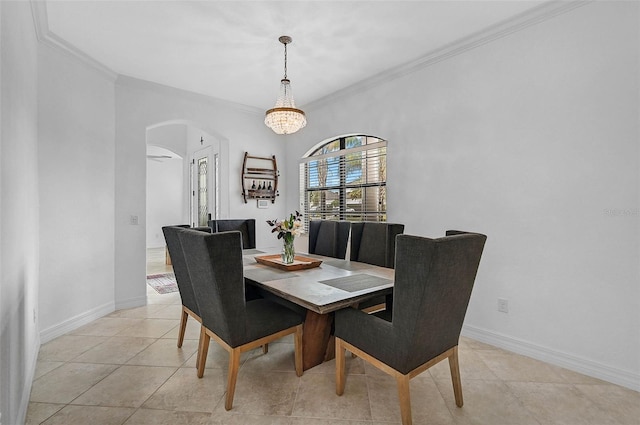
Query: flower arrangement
287	230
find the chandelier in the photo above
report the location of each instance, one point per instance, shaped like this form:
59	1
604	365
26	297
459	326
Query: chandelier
285	118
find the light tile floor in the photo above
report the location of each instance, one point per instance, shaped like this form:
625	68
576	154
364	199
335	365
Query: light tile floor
125	368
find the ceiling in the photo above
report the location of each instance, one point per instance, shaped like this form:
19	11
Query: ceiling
230	49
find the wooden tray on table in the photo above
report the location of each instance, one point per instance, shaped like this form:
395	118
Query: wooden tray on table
299	262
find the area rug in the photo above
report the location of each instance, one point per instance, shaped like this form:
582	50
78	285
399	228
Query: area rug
163	283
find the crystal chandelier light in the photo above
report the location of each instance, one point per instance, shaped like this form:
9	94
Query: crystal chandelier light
285	118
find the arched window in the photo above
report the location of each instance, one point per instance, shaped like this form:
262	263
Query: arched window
345	179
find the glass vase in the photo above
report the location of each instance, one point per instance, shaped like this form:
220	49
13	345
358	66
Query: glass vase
288	250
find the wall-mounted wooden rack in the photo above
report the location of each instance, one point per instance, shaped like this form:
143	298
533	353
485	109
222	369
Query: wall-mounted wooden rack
259	177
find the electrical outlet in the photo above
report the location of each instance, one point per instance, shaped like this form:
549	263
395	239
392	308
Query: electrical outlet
503	305
133	220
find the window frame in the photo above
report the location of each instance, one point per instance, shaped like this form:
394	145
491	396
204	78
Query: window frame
378	148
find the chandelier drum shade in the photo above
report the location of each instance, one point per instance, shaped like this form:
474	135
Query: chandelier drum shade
285	118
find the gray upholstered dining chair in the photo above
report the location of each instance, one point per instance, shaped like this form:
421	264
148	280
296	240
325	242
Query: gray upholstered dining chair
246	226
329	238
375	243
189	305
215	266
433	283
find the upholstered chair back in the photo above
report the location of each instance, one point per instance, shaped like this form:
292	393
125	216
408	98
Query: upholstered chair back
329	238
246	226
180	266
374	242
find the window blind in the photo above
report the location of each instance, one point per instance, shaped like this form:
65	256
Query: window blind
345	179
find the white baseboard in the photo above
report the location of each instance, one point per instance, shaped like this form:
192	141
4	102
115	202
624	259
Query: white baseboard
87	317
568	361
131	303
31	372
75	322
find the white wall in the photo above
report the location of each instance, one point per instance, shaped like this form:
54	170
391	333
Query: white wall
165	190
531	139
19	226
234	129
174	138
76	163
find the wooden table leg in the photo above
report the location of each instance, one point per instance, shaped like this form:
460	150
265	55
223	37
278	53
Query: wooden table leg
315	338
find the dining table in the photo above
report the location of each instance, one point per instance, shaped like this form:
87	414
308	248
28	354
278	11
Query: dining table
319	289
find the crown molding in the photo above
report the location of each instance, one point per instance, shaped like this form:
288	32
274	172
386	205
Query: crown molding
522	21
136	83
49	39
502	29
46	37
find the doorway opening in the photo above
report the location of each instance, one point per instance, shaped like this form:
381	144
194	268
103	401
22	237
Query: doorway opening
183	167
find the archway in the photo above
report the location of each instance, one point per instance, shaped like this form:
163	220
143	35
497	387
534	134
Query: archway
177	191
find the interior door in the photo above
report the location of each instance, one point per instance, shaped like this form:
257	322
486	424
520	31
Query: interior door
204	195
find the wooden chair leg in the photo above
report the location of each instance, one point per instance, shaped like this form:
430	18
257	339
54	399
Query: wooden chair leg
204	350
265	348
297	339
199	348
340	379
234	365
405	399
183	327
454	366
